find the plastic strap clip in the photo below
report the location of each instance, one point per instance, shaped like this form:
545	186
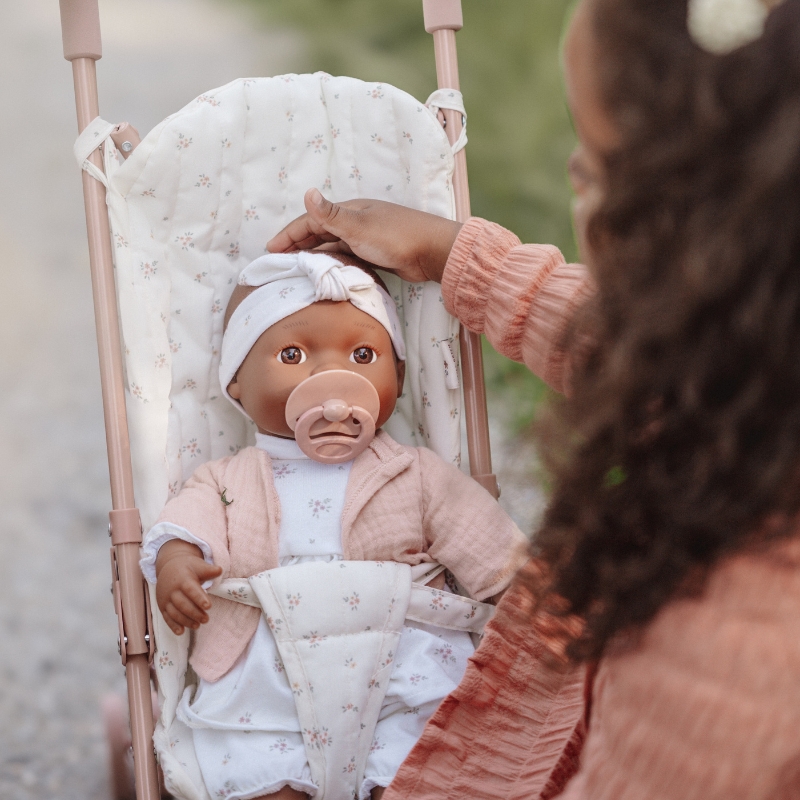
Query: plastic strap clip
125	526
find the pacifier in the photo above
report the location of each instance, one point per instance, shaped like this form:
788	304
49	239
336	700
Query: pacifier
333	415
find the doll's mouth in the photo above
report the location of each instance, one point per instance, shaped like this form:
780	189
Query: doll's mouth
347	429
327	434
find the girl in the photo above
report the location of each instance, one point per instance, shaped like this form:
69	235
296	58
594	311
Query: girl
672	536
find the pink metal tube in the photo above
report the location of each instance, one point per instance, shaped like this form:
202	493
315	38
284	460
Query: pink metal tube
442	14
131	585
477	417
80	29
145	770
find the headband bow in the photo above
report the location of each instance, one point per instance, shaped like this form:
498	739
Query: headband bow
331	279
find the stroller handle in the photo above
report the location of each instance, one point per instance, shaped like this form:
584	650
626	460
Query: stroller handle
442	19
442	15
80	29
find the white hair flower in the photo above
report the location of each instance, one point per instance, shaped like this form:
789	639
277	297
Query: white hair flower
722	26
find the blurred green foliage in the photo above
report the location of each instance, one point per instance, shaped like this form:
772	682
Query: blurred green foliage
520	133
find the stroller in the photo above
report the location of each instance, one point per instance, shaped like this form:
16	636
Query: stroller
172	219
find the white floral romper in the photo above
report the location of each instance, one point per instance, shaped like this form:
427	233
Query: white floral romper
247	734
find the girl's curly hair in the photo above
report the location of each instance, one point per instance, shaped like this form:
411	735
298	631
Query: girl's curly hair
681	441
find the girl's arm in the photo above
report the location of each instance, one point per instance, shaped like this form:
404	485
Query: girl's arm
523	297
513	727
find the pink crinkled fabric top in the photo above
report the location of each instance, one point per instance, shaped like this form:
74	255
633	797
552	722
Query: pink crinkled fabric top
704	707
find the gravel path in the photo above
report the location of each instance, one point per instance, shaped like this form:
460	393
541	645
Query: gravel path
57	657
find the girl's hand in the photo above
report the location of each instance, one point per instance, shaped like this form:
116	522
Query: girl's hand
181	572
411	243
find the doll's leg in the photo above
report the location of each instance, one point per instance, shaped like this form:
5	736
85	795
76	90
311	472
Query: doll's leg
377	792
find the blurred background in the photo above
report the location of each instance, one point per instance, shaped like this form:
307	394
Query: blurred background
57	657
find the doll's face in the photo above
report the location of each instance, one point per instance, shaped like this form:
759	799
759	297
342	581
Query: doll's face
323	336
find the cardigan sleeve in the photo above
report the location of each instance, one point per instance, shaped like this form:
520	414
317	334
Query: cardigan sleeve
523	297
514	726
199	509
466	530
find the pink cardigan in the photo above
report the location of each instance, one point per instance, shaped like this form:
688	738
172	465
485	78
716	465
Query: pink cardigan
402	504
706	707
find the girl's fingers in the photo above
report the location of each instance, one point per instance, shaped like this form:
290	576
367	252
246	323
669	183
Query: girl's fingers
323	222
335	247
299	231
310	242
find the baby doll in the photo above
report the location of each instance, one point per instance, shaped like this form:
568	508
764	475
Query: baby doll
293	317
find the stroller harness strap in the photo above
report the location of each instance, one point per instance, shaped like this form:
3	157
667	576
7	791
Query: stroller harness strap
426	604
337	626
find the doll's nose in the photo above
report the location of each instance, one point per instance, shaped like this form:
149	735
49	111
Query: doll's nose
336	410
329	365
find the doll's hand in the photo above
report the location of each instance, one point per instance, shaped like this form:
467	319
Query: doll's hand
181	572
411	243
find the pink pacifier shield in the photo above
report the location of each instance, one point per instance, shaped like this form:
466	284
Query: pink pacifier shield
333	415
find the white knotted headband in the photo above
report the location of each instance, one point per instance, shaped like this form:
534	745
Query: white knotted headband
290	282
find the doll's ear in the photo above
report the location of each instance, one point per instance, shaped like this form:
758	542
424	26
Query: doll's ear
234	390
401	376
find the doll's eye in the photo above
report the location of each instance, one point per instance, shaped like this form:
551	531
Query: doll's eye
364	355
291	355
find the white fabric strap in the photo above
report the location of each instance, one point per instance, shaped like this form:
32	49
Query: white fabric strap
427	605
452	100
447	610
93	136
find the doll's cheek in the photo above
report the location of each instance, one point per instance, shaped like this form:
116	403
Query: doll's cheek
388	400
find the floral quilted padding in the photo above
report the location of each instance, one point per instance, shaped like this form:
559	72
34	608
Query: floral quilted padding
198	200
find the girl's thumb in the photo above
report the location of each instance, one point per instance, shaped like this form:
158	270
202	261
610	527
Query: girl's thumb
331	216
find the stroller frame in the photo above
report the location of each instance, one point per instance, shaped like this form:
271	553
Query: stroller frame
80	22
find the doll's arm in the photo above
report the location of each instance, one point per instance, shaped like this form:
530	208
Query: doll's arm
181	571
200	510
157	537
467	531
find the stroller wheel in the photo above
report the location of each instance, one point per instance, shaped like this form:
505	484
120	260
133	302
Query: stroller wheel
120	758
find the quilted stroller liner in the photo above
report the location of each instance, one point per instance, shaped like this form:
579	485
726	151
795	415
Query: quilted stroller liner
195	203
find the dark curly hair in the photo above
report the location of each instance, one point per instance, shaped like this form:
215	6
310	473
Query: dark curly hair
681	441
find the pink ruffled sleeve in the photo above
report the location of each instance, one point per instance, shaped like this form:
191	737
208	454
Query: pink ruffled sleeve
523	297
